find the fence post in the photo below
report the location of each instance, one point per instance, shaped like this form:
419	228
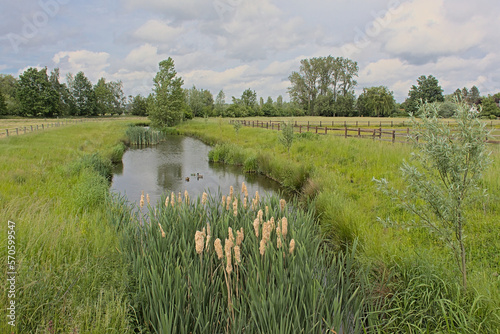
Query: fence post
17	131
326	130
380	133
278	126
380	125
307	126
43	128
267	125
319	123
31	128
7	132
272	126
316	129
333	124
359	131
300	128
393	136
345	132
368	123
295	123
373	134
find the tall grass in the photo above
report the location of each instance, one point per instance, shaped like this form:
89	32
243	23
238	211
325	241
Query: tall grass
143	136
273	276
70	276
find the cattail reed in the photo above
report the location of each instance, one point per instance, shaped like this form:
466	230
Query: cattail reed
218	248
267	211
266	231
209	235
186	197
227	248
262	247
278	237
245	200
244	189
284	227
237	254
272	223
256	225
228	202
200	242
235	207
230	235
282	204
292	246
223	200
260	215
231	191
172	199
167	200
147	198
204	198
141	202
163	235
239	237
179	198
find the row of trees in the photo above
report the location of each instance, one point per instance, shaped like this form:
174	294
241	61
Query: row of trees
323	86
39	94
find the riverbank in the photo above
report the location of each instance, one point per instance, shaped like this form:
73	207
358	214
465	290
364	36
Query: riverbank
70	275
402	267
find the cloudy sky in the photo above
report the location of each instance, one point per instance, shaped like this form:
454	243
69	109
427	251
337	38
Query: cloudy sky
238	44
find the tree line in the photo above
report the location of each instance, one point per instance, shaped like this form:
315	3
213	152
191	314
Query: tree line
37	93
322	86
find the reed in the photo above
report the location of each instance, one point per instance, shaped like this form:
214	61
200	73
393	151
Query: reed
143	136
190	281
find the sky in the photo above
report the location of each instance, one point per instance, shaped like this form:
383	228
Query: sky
238	44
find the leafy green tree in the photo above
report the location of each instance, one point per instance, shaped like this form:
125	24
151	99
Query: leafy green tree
427	90
268	108
249	101
376	101
324	85
139	106
103	97
443	176
489	108
3	105
169	99
220	103
8	87
286	135
35	94
83	95
208	103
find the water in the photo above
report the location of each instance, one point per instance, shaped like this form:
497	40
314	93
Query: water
161	169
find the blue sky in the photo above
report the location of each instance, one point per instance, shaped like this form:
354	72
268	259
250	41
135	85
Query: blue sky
238	44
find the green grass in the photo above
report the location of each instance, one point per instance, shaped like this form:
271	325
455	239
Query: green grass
339	179
70	274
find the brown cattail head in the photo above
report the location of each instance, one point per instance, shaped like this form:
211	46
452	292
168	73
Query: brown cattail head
163	235
292	246
223	200
267	211
167	200
256	225
278	237
228	202
260	215
199	240
282	204
237	254
257	198
230	235
172	199
272	223
227	248
204	198
266	231
141	202
231	191
209	235
147	198
186	196
245	200
262	247
244	189
179	198
218	248
239	237
235	207
284	227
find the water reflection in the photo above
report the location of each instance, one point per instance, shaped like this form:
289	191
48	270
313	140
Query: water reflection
166	167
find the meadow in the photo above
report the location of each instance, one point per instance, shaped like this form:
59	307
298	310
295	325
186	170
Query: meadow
87	262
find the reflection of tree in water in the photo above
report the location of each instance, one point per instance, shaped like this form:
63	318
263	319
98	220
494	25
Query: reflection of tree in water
169	176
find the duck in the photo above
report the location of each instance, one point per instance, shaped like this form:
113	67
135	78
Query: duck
199	176
187	179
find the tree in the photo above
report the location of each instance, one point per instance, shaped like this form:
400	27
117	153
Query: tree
443	176
169	106
320	83
103	97
268	108
286	135
249	101
139	106
35	94
428	90
220	103
489	108
62	92
3	105
83	95
376	101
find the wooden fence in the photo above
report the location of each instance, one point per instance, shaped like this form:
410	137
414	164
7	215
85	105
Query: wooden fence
400	135
7	132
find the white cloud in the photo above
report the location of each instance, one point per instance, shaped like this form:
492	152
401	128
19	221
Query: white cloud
93	64
143	57
158	31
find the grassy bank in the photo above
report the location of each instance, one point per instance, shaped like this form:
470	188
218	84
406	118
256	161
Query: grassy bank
70	275
410	277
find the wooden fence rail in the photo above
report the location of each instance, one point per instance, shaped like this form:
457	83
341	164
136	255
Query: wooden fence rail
380	133
7	132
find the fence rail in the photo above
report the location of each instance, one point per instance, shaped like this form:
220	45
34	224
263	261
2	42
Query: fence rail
16	131
380	133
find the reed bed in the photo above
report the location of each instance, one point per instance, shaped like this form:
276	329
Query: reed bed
143	136
236	264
